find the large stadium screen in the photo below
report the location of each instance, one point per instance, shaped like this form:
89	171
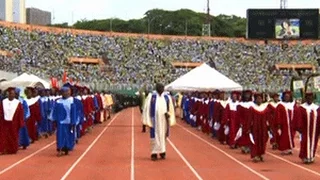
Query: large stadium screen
282	23
287	28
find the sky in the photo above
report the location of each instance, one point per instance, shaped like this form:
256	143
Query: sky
73	10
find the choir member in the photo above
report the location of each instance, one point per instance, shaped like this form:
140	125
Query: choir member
65	115
219	109
273	104
43	126
11	120
242	117
229	118
308	124
158	114
284	121
24	139
205	124
35	114
258	129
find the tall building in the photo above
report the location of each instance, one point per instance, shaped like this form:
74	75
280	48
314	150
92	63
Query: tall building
19	11
38	17
6	10
13	11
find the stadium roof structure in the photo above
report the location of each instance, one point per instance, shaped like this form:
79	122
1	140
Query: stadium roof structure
203	78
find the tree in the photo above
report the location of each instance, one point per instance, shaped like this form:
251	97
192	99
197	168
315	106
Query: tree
180	22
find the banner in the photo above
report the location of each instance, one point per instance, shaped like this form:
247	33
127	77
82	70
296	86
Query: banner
297	94
316	81
298	84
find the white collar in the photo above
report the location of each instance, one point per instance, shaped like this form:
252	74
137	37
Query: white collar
246	104
310	107
31	101
9	108
233	105
288	105
260	108
274	104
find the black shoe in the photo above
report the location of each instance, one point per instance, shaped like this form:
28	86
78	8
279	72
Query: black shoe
154	157
163	155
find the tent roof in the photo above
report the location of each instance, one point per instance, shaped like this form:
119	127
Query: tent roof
31	78
6	84
203	78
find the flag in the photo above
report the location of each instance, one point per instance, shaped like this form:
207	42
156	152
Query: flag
64	77
54	82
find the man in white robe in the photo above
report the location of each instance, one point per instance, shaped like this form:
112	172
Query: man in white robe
159	115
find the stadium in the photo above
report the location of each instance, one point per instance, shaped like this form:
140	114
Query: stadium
240	95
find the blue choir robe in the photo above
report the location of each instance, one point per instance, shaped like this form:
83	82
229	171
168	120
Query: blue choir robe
183	99
51	103
65	115
24	139
80	116
96	108
43	124
186	112
192	102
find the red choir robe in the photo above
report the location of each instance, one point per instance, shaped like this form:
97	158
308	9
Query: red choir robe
199	106
92	109
11	120
258	120
205	123
88	107
218	113
284	121
34	119
273	125
195	107
229	119
85	109
242	115
308	124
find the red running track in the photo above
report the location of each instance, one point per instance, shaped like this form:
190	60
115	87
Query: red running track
118	150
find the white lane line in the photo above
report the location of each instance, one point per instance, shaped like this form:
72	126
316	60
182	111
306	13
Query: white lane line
185	160
132	145
293	164
87	150
26	158
298	150
225	153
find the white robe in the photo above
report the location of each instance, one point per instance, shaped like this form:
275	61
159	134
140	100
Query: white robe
158	143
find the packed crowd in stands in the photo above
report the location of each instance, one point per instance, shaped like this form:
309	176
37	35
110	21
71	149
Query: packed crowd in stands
138	60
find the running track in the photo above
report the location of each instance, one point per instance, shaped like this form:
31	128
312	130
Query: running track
117	149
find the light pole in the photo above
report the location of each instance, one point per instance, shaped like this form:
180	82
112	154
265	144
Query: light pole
186	28
111	24
150	21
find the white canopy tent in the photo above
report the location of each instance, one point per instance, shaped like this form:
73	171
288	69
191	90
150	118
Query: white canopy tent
31	78
20	84
203	78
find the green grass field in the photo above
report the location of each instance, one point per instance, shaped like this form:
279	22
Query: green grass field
278	30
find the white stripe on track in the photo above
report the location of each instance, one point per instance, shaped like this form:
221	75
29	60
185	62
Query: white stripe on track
225	153
26	158
185	160
87	150
132	145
